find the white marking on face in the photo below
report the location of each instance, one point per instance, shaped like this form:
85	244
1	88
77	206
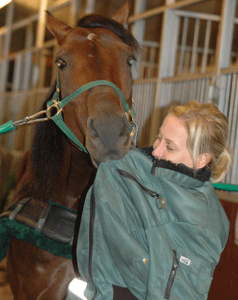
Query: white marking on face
92	37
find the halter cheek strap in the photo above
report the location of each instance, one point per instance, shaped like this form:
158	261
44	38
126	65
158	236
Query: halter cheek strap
56	103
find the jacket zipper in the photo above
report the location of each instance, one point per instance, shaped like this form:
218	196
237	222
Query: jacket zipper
171	276
145	189
91	228
175	260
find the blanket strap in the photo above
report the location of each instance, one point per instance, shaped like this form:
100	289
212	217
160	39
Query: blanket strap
49	219
40	225
18	208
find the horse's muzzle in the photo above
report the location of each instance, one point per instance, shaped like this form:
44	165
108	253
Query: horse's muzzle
108	137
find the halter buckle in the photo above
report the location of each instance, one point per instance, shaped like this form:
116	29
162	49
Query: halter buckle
131	120
130	117
51	107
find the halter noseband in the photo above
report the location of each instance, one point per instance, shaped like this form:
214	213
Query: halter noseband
56	103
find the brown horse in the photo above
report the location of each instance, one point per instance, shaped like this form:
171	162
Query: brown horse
55	169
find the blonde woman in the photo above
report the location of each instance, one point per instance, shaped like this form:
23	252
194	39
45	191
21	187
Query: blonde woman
207	130
153	227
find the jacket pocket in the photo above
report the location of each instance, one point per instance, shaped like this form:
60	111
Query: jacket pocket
195	274
172	275
145	189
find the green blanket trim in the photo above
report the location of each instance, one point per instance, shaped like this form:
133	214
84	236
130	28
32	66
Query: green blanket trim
66	208
11	228
226	187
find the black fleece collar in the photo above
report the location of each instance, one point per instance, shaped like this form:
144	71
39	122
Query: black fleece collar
203	174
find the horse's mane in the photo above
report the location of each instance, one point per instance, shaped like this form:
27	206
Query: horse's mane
94	20
47	145
46	152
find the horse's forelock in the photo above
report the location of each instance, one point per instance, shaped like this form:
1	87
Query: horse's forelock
94	20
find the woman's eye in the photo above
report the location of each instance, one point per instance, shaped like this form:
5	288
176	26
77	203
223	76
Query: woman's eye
60	63
169	148
131	61
158	137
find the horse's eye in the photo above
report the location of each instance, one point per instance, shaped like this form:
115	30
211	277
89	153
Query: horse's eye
60	63
131	61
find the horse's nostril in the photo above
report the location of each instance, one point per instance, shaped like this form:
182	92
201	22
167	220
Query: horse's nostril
91	129
125	127
124	130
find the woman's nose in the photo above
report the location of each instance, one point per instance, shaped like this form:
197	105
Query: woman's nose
158	151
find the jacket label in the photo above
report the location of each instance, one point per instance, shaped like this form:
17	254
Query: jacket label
185	260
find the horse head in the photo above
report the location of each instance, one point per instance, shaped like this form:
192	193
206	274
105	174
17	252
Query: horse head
97	49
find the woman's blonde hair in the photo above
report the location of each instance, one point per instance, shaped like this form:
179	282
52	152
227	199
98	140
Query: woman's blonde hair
207	133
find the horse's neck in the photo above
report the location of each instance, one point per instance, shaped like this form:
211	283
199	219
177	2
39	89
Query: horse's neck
65	187
74	177
79	178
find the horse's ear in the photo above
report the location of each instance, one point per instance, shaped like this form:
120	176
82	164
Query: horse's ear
58	28
122	14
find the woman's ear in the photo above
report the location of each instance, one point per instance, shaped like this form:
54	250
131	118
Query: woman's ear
203	160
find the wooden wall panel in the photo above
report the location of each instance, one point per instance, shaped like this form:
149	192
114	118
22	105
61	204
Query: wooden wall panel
225	281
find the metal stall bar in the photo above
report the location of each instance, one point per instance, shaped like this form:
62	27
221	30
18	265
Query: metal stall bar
149	109
195	45
1	44
138	31
231	105
184	91
166	65
206	46
227	94
224	44
225	35
234	139
183	45
74	11
40	35
90	6
196	15
6	48
233	127
14	100
4	64
28	57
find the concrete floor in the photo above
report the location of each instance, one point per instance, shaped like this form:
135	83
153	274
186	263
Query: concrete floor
5	292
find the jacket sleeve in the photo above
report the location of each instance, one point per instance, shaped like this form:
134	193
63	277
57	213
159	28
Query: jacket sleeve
130	257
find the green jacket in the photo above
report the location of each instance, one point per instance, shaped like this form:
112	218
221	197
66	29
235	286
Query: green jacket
128	239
